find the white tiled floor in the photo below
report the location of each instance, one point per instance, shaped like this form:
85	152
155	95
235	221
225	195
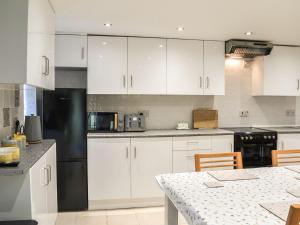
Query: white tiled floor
139	216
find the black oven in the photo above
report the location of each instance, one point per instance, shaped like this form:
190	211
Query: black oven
256	146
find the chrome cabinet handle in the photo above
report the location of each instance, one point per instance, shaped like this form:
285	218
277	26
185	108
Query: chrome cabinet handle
124	81
192	142
200	82
298	84
231	147
48	65
190	156
45	176
82	53
207	82
131	81
135	152
127	153
45	66
282	145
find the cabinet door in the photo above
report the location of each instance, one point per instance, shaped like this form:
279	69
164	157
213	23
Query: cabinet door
149	157
38	190
281	71
184	161
146	66
71	51
107	65
223	143
40	44
214	68
185	67
108	168
52	186
288	141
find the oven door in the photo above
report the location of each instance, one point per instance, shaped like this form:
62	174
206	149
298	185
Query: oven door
257	155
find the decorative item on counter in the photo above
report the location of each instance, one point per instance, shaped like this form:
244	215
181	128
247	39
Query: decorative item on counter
205	118
21	140
182	126
9	156
33	129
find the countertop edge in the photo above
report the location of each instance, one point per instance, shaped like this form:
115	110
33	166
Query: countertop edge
149	135
27	163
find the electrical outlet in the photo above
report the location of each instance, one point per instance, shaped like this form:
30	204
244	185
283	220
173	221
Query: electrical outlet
244	113
6	117
145	113
290	112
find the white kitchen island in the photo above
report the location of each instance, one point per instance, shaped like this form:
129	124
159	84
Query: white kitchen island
237	203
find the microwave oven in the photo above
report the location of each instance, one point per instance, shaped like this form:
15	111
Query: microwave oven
105	122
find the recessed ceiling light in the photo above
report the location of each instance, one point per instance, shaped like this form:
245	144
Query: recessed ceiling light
108	24
249	33
161	46
180	28
104	43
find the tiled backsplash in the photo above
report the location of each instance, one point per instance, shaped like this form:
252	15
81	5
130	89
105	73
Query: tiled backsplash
9	105
166	111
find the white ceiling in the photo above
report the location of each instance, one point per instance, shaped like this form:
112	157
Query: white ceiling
274	20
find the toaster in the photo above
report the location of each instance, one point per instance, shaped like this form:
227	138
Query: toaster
135	122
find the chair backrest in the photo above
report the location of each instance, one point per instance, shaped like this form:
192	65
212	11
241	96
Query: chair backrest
285	157
232	159
294	215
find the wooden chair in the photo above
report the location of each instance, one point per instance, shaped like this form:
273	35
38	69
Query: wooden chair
232	159
294	215
285	157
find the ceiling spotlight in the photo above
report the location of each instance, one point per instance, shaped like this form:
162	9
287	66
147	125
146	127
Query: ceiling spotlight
249	33
108	24
180	28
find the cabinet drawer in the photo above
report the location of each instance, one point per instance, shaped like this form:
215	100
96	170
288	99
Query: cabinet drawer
184	161
192	143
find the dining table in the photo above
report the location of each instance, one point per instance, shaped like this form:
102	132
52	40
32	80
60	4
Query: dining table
233	202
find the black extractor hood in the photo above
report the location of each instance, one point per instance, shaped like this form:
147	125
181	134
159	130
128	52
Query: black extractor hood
237	48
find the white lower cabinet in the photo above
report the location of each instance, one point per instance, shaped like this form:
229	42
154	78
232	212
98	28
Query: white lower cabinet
288	141
185	148
43	189
108	169
150	157
123	170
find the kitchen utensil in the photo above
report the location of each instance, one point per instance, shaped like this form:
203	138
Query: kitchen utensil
33	129
205	118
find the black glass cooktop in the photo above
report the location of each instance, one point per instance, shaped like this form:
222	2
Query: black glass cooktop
247	130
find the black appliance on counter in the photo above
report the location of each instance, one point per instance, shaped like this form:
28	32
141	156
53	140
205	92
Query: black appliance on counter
255	144
105	122
64	119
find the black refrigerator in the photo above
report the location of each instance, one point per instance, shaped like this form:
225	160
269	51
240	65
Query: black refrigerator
64	119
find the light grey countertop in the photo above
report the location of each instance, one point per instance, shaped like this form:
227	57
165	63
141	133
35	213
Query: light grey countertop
284	129
162	133
28	158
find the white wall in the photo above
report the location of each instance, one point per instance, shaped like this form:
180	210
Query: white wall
166	111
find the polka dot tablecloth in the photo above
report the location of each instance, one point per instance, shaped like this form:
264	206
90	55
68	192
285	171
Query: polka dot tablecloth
237	203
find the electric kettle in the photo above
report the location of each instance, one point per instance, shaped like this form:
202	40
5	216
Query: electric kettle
33	129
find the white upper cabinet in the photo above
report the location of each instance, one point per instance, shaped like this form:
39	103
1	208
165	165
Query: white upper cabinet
147	66
27	42
71	51
277	74
107	65
185	67
214	68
